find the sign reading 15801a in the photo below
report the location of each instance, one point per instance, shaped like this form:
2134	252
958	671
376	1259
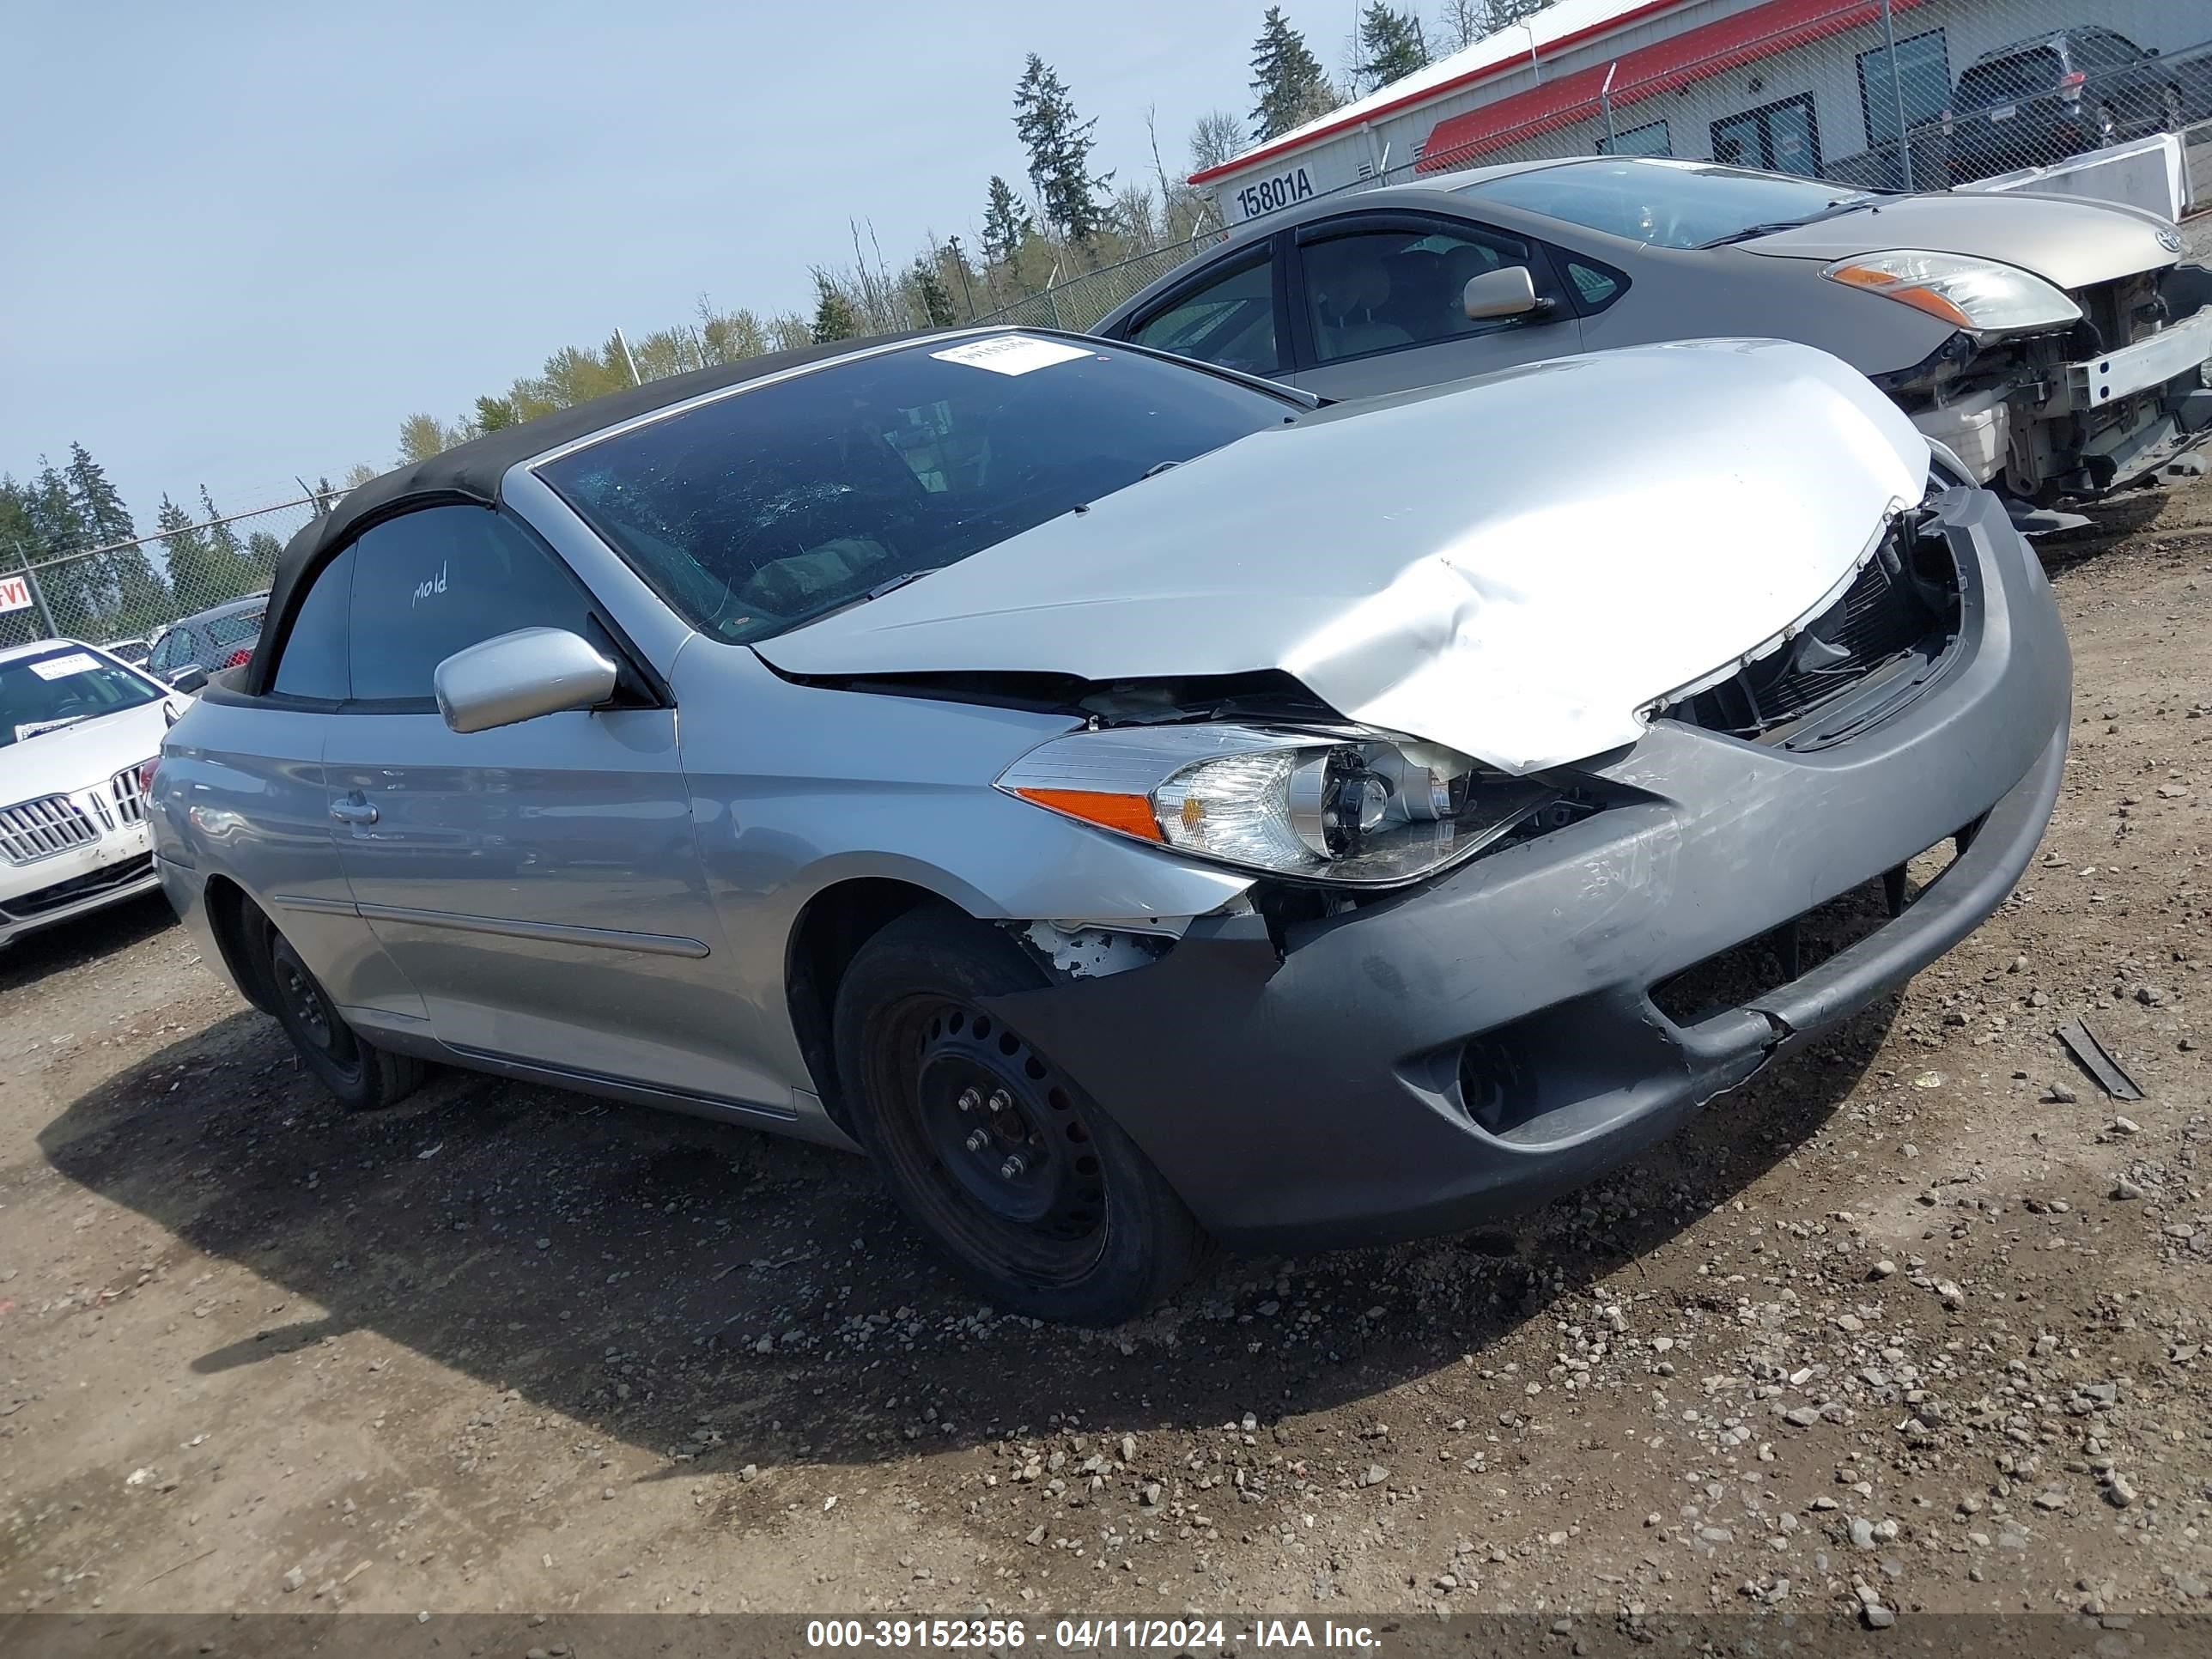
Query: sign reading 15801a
1266	195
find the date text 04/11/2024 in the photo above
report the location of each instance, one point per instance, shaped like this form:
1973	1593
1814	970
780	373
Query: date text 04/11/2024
1086	1635
1266	195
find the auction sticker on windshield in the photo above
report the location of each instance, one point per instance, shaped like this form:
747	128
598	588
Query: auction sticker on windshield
57	668
1012	354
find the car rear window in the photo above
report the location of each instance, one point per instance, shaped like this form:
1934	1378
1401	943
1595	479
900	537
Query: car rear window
241	629
2023	75
764	509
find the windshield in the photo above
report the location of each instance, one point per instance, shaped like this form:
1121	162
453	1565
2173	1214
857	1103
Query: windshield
2021	75
58	688
1671	203
763	510
243	627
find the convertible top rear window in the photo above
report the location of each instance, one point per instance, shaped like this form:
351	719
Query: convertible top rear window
760	511
1666	202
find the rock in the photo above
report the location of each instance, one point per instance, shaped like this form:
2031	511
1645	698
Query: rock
2124	1126
2120	1491
1037	1535
1374	1476
2061	1094
1149	1494
1881	1269
1803	1417
294	1580
2124	1188
1877	1616
1948	1289
2151	996
1862	1533
1128	1449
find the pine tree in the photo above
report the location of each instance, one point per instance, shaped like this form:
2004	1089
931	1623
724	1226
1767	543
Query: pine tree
833	317
132	596
494	414
1005	222
232	571
1391	45
1286	79
1060	146
932	297
193	573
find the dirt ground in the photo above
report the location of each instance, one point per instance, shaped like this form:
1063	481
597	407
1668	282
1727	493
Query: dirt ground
1919	1319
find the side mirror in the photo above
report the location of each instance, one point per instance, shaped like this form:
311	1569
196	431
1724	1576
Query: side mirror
190	679
520	676
1506	291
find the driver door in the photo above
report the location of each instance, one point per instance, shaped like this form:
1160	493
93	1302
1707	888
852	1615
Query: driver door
539	884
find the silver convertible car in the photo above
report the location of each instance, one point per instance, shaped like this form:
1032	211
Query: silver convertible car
1131	800
2058	347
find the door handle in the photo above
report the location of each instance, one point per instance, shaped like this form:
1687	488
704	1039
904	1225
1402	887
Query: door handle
353	810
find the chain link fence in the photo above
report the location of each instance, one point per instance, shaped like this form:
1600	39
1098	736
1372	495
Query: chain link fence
1914	94
132	594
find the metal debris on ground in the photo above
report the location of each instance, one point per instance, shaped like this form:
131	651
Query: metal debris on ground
2092	1057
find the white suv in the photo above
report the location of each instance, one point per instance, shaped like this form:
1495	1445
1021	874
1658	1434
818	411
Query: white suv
79	732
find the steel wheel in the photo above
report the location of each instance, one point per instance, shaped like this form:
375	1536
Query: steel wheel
994	1152
992	1138
313	1022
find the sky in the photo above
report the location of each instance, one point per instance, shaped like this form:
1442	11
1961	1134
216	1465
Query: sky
242	240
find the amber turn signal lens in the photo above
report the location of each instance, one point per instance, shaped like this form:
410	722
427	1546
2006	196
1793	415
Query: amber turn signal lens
1131	815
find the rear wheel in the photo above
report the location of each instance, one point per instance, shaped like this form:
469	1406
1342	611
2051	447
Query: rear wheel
363	1077
1036	1196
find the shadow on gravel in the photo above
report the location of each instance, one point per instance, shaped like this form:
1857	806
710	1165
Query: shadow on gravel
74	943
661	1280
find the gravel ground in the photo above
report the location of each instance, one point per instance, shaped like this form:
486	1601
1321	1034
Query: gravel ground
1918	1321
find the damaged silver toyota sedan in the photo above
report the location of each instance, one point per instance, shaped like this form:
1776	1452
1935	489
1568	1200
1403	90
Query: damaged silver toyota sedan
1132	801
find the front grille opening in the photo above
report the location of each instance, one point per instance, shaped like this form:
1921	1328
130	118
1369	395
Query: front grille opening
1728	979
25	906
1893	625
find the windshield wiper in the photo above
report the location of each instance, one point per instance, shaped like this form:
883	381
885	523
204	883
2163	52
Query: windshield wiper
889	584
1833	210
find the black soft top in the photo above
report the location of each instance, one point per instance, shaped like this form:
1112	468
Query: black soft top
470	472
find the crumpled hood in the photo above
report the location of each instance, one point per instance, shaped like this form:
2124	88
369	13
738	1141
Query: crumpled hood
2070	243
78	756
1514	566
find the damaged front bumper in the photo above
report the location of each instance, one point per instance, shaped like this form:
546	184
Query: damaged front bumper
2091	426
1453	1052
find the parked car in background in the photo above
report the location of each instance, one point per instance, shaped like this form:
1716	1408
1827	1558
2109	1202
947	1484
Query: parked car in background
2038	101
132	651
189	652
2056	346
1128	800
79	730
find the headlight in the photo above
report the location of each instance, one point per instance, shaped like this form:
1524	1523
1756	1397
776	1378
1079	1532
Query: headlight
1979	296
1349	805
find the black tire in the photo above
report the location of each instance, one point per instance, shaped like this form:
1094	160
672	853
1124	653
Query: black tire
1085	1232
363	1077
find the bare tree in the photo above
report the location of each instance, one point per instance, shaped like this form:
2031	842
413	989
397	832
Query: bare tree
1462	22
1217	137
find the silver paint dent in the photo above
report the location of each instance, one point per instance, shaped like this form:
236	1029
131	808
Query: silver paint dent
1514	567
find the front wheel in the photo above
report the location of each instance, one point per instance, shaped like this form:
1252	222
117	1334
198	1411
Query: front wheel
1035	1195
363	1077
